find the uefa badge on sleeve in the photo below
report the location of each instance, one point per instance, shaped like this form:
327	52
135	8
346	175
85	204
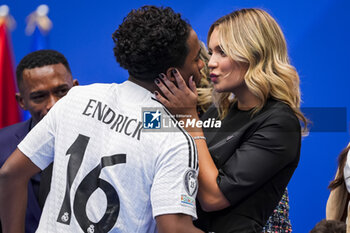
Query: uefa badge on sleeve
190	182
152	119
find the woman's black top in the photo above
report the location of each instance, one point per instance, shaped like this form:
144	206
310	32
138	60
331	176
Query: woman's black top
256	155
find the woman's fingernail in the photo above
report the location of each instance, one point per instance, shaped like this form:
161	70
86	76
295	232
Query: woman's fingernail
156	92
161	76
157	81
174	71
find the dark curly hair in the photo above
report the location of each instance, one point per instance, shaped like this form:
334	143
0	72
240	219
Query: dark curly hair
150	40
40	58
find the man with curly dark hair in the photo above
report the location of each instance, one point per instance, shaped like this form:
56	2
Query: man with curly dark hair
109	174
154	40
43	77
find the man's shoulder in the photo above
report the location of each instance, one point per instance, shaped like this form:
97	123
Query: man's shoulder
96	89
21	128
10	137
93	87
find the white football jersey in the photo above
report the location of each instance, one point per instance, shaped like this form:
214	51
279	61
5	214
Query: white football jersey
109	174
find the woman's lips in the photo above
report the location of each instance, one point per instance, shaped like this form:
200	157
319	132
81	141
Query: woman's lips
213	78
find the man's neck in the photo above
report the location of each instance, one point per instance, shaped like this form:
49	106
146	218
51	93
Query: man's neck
151	86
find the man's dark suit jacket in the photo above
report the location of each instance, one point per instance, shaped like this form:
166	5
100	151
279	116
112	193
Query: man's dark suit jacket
10	137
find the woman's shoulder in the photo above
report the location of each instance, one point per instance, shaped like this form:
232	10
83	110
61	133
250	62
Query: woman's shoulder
279	113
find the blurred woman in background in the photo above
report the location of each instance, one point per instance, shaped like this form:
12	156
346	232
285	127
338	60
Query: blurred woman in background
338	201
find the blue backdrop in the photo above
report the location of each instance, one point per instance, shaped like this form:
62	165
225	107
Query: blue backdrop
317	34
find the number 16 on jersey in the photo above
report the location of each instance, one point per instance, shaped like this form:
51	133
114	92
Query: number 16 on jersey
87	187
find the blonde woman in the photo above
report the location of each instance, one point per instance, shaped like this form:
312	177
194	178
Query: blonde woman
246	164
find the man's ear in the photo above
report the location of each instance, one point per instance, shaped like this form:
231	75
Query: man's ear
169	74
20	100
75	82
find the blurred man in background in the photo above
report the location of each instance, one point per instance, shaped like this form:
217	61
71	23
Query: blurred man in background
43	77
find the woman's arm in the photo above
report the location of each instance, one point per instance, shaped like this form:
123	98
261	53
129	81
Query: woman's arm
182	100
176	223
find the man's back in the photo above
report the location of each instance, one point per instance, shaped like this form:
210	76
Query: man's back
108	173
101	156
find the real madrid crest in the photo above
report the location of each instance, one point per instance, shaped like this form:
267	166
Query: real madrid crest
190	182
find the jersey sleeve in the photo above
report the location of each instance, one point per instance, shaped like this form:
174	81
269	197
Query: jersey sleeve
272	147
38	145
175	184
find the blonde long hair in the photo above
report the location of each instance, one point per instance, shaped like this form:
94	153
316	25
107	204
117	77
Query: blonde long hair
252	36
205	87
